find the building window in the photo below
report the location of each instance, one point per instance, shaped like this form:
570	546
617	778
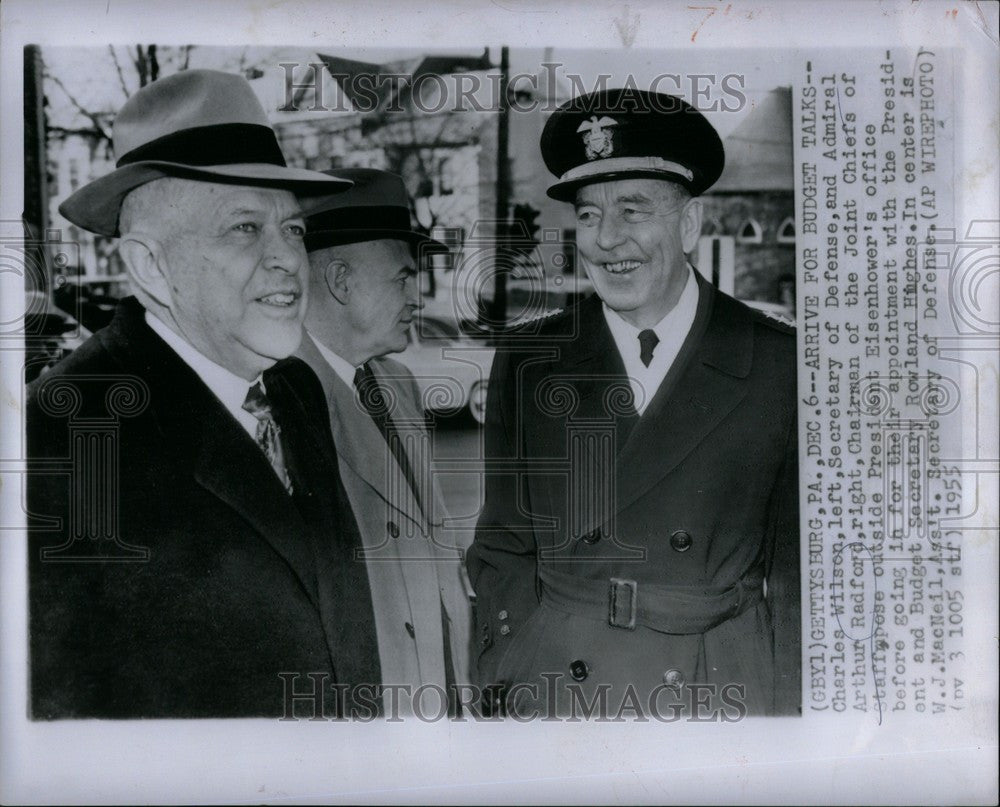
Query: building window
786	231
749	232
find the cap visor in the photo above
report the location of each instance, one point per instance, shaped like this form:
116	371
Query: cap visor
566	191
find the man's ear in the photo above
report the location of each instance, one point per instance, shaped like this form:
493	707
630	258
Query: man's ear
146	265
336	276
691	224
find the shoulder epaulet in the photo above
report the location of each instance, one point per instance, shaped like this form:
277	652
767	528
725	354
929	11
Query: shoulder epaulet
534	323
773	319
552	312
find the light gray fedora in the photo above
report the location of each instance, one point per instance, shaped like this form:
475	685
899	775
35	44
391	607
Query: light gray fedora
197	124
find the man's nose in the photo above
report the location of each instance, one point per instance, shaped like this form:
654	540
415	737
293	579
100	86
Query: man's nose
285	252
609	233
414	298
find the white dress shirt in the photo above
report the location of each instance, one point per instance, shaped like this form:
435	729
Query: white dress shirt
226	386
341	367
672	330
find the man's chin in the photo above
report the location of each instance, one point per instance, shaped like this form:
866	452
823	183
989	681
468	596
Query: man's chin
276	344
616	300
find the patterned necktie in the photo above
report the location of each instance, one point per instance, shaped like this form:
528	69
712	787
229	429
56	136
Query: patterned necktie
375	403
268	432
648	340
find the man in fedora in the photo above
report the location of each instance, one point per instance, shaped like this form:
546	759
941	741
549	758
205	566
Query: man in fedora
364	259
192	549
638	547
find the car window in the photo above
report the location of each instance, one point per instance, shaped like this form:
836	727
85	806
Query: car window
436	329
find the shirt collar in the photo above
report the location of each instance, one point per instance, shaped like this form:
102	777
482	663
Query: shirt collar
679	317
343	368
227	386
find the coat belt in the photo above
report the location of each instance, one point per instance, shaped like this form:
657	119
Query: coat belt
667	609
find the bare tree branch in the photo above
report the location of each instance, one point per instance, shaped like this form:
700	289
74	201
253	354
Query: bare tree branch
95	119
64	131
154	63
118	69
141	66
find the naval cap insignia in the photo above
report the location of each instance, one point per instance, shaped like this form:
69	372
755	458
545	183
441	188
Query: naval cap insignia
596	136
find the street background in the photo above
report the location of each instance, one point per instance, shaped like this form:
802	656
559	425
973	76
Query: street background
462	128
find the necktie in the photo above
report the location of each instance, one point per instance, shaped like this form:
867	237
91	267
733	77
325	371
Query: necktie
268	432
648	340
377	405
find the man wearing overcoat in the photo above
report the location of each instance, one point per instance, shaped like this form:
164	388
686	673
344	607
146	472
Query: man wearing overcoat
364	300
192	552
638	546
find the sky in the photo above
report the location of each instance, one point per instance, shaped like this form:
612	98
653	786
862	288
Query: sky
89	74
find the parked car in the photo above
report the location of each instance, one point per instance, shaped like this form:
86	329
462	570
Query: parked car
93	299
452	370
50	334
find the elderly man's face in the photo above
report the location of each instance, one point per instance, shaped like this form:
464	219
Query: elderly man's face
633	235
237	272
383	296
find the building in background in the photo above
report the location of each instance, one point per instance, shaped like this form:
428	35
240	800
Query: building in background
749	217
447	156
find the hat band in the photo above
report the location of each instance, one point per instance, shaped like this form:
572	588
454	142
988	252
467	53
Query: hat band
219	144
615	164
371	217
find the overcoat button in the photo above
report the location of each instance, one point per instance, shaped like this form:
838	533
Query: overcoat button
681	541
494	699
410	630
673	678
592	537
502	616
504	630
579	670
393	529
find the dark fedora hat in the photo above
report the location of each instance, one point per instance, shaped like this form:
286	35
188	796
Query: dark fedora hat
376	207
197	124
629	133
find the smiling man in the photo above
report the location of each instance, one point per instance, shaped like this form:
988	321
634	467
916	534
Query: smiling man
192	549
638	547
364	258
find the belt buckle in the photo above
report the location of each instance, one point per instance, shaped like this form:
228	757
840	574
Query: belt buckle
621	603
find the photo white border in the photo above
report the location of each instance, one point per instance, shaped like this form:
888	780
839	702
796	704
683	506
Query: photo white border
917	759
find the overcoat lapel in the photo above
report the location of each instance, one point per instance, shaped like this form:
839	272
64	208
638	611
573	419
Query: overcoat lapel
595	369
222	457
715	360
584	396
359	441
236	471
362	447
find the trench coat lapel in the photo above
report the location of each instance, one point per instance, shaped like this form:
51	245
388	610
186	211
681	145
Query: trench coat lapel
586	392
361	446
707	381
595	370
410	422
359	442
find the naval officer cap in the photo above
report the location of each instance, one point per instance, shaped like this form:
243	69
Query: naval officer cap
627	134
